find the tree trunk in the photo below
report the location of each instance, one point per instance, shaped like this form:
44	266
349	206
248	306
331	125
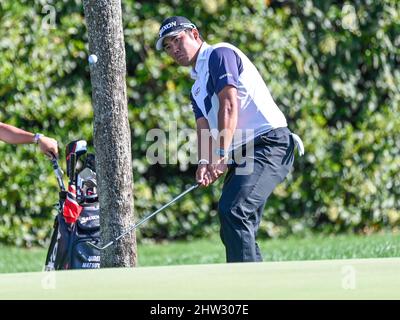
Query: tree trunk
112	138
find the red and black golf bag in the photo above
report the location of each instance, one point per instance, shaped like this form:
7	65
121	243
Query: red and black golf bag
77	221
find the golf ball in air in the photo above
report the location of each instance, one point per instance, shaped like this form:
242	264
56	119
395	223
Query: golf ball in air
92	59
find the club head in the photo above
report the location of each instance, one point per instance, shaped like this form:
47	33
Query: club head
87	186
73	151
98	247
87	174
77	146
90	162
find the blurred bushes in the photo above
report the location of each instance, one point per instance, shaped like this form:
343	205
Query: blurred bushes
332	66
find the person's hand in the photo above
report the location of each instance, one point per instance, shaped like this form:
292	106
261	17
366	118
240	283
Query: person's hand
202	175
48	146
217	169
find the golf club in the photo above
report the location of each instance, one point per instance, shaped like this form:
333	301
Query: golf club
87	174
73	151
58	173
135	225
86	186
72	168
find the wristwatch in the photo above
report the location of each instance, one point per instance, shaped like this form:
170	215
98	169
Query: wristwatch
37	137
221	152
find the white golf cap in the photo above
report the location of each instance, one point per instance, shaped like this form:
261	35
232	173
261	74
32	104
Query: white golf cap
171	27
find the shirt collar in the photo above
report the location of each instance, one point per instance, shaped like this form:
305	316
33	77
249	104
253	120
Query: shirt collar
200	59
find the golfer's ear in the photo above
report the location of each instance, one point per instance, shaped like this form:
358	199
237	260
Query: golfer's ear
196	34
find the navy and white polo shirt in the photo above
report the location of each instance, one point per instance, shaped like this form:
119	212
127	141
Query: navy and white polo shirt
223	64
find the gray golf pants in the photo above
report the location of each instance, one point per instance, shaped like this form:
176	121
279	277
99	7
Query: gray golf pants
244	196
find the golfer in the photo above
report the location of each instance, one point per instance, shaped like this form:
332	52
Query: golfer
13	135
236	118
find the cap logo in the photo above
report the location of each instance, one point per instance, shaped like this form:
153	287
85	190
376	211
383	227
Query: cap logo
167	26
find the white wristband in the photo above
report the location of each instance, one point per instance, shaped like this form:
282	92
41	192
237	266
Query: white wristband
37	137
203	161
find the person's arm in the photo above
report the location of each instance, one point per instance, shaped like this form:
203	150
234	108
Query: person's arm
204	151
227	122
225	67
14	135
204	140
227	117
207	173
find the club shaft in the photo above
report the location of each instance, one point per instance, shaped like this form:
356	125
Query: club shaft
58	173
134	226
72	169
145	219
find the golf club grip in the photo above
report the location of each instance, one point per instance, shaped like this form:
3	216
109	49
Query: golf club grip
54	162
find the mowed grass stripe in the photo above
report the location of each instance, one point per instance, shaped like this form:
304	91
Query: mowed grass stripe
325	279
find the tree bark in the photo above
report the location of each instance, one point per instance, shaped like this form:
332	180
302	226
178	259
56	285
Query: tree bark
112	138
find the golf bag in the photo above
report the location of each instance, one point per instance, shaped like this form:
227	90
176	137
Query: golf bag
77	220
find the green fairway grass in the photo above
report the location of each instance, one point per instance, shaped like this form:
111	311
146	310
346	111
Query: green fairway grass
326	279
207	251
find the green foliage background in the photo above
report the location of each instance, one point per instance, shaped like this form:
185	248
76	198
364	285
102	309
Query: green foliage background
332	66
